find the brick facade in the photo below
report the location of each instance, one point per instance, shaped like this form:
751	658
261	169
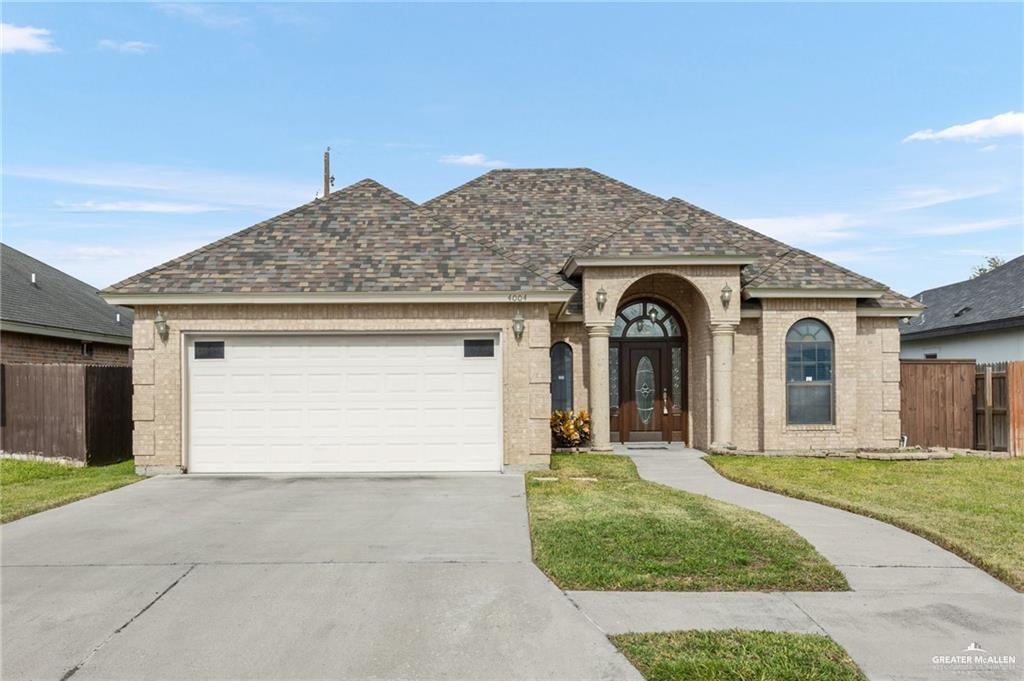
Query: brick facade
158	402
25	348
866	364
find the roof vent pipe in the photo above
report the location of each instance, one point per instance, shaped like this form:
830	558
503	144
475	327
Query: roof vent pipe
117	317
34	279
328	178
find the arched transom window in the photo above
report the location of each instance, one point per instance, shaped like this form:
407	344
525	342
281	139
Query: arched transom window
646	320
809	360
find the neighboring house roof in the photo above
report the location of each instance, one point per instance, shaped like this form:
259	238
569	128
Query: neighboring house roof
57	305
994	300
507	230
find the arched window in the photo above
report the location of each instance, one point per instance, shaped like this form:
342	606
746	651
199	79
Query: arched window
809	394
561	377
646	320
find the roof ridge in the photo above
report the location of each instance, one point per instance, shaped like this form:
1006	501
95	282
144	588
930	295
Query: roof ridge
868	280
775	263
491	247
315	203
676	199
462	186
203	249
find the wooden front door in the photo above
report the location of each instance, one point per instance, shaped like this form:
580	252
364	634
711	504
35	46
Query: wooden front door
646	394
649	396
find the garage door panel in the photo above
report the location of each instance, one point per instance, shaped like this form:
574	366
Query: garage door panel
359	403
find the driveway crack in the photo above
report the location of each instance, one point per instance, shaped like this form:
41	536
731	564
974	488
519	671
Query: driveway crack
71	672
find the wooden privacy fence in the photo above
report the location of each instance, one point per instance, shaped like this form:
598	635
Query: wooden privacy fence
955	403
73	411
937	402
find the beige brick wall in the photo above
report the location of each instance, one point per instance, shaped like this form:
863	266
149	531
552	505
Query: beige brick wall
747	376
865	377
158	400
575	334
695	293
878	413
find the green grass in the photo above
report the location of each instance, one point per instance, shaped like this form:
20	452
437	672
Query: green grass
621	533
27	487
734	655
969	505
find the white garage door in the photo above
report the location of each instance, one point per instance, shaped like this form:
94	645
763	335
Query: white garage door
357	403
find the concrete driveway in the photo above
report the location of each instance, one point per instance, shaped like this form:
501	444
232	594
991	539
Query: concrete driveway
208	577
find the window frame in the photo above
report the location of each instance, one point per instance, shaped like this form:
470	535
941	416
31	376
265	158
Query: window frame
568	368
816	382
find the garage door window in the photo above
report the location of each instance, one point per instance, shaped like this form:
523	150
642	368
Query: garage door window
209	349
478	348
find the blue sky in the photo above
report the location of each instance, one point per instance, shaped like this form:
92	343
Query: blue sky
133	133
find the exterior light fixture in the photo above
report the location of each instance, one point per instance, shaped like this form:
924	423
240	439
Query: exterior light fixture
160	322
652	314
601	297
726	295
518	325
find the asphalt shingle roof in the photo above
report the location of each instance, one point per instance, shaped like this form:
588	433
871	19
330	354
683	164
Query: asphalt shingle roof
363	238
994	299
58	300
505	230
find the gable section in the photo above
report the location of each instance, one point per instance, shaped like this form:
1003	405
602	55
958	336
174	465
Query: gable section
541	217
364	238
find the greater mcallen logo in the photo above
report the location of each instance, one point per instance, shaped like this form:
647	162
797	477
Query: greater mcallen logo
975	658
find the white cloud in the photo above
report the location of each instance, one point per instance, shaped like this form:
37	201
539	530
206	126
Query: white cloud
805	228
136	207
476	160
968	227
203	14
25	39
126	46
912	198
989	147
182	185
1005	124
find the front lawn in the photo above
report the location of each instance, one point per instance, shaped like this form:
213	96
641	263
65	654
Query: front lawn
27	487
620	533
734	655
969	505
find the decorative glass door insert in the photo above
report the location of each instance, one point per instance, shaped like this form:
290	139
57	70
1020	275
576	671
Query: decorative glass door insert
646	389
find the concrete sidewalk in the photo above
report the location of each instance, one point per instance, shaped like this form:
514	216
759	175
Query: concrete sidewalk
912	603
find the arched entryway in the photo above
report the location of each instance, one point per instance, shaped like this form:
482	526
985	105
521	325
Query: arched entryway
647	373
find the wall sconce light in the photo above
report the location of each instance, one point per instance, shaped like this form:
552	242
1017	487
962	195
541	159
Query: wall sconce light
601	297
160	322
652	314
726	295
518	325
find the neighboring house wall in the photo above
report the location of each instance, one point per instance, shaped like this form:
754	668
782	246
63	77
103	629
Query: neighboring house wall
986	346
24	348
158	369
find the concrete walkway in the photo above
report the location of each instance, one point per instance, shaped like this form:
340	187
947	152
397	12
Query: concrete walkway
913	604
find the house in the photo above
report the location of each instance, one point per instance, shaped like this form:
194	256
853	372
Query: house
980	319
47	316
365	332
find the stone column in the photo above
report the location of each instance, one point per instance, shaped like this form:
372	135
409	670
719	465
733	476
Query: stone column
600	416
722	334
